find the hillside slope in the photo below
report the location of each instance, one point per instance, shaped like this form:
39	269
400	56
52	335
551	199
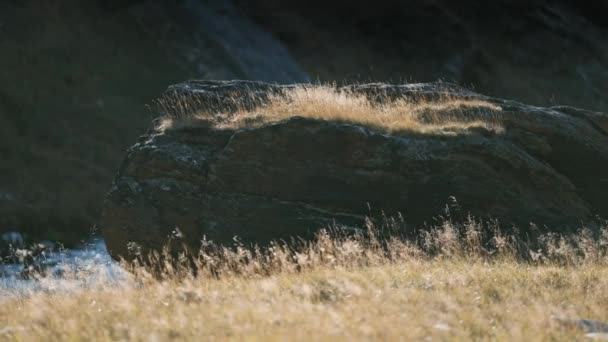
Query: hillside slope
542	52
77	75
76	78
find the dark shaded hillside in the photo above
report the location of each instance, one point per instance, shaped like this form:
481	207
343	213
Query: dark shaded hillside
76	78
542	52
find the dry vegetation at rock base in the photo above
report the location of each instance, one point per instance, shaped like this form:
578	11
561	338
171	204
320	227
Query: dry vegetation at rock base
445	115
454	283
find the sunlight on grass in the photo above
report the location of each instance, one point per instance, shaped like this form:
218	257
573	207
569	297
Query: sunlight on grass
444	115
454	282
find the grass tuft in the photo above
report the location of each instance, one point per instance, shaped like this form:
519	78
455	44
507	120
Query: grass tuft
445	115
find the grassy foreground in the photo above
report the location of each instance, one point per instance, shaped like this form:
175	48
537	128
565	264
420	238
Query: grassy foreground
453	284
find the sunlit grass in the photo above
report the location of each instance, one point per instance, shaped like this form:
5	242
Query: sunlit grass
446	114
453	283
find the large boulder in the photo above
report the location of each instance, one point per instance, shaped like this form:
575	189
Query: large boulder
289	178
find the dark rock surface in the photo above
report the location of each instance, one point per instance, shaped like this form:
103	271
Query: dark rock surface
289	178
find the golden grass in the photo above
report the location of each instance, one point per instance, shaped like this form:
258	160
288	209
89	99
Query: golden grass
445	115
455	283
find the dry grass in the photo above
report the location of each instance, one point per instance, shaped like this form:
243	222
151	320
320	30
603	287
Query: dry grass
454	283
445	115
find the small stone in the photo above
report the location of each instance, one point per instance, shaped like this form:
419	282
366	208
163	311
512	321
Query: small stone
597	336
442	327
